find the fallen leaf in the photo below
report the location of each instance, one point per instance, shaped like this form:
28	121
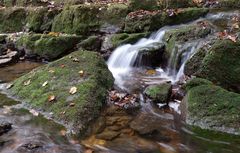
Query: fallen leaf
232	38
63	132
88	151
76	60
26	83
51	71
62	65
73	90
72	104
45	83
51	98
34	112
151	72
10	85
81	73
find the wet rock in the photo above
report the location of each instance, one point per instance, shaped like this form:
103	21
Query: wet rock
150	55
5	127
212	107
108	135
47	46
159	93
218	64
62	76
154	21
8	58
92	43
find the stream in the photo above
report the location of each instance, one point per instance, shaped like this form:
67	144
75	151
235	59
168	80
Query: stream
34	133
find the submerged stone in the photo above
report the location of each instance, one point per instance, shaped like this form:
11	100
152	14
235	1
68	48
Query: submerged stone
5	127
212	107
48	46
57	95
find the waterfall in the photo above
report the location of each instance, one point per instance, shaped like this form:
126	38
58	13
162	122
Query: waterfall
122	60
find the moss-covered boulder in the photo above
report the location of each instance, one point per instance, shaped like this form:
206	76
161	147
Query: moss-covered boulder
155	20
87	19
39	19
219	64
72	88
92	43
212	107
48	46
12	19
36	19
159	93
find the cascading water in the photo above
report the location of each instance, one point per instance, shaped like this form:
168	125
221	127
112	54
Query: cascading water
123	58
121	62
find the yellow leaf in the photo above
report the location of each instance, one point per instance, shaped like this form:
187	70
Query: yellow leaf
73	90
45	83
81	73
151	72
26	83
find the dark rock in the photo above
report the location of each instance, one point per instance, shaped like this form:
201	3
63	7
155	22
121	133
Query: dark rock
5	127
9	58
150	55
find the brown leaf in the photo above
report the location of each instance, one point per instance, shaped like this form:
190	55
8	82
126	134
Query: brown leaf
232	38
72	104
81	73
51	98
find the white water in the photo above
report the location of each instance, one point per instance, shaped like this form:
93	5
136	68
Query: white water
121	62
122	59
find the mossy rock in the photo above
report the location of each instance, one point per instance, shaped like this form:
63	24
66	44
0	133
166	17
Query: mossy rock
40	19
92	43
154	21
144	5
159	93
12	19
48	46
213	107
220	65
88	19
228	4
74	110
124	38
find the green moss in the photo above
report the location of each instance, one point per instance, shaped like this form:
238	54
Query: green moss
159	93
221	65
91	88
47	46
91	43
144	5
124	38
116	13
79	19
214	106
196	82
152	22
229	3
5	101
40	19
12	19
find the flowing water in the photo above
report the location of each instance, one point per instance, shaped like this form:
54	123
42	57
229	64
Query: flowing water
33	133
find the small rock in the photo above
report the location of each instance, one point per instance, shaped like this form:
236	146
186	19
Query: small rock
5	127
